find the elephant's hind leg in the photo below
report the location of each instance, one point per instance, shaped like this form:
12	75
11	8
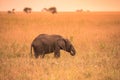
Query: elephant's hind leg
42	54
36	55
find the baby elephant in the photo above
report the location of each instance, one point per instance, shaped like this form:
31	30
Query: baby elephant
44	44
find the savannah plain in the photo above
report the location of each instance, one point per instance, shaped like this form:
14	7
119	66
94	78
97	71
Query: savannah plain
95	36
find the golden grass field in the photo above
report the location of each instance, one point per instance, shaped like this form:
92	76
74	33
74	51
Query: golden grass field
95	36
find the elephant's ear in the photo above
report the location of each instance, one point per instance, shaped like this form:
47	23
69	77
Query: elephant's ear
61	43
67	42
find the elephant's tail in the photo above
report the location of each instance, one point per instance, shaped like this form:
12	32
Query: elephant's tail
31	51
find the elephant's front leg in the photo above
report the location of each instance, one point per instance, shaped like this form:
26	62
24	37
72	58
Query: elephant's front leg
57	50
57	54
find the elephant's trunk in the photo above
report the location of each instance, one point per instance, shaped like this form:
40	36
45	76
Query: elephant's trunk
73	51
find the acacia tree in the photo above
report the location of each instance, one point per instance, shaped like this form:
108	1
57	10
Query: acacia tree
11	11
52	10
27	10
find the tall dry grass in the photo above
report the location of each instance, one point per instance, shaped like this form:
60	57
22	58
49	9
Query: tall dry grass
96	37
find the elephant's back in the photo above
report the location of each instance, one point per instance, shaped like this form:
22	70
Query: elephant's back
45	38
49	37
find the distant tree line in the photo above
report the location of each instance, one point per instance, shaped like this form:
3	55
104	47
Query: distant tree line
52	10
81	10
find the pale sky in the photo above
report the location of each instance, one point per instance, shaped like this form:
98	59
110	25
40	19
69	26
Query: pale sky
61	5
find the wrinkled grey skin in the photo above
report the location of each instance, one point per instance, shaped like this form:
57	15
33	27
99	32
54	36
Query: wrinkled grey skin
44	44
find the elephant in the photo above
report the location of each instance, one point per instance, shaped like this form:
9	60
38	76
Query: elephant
44	44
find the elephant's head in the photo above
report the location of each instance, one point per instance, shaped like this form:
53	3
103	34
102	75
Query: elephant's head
66	45
69	47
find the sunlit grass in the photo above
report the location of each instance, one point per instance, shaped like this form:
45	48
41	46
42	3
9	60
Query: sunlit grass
96	37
